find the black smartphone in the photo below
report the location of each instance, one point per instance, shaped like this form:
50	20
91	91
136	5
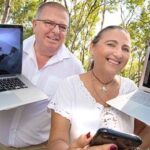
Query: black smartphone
124	141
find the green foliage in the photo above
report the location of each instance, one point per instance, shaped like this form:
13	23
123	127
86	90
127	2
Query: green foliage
1	8
85	15
87	19
25	14
140	33
22	12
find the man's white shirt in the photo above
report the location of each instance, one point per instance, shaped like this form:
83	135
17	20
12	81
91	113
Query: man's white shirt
29	124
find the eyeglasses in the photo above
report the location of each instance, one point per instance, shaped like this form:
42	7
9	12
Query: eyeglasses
51	25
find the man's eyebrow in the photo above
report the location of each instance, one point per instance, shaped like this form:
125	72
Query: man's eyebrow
52	21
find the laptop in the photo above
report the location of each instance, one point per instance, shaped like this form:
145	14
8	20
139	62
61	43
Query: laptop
137	103
15	89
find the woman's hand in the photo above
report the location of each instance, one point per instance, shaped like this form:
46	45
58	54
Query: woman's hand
82	144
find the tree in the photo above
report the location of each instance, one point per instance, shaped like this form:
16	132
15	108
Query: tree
19	12
139	28
86	17
6	11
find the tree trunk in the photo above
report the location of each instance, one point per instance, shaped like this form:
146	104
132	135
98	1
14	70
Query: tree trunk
6	11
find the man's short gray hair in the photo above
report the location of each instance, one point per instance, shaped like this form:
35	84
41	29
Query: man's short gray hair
50	4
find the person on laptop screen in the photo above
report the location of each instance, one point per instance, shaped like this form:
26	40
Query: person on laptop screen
10	60
46	61
9	51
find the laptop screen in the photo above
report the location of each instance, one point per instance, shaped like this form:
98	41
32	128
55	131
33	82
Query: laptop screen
147	74
11	39
145	79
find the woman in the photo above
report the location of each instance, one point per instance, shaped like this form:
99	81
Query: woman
79	105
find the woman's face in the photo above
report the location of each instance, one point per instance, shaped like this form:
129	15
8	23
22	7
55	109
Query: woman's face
111	53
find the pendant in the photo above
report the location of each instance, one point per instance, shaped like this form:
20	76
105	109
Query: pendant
103	88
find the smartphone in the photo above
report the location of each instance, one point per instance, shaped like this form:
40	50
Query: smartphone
124	141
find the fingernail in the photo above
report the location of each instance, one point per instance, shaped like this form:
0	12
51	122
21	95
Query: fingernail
113	147
88	135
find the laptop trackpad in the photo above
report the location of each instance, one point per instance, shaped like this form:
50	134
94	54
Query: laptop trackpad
8	100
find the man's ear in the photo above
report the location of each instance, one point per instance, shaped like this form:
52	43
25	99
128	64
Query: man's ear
33	25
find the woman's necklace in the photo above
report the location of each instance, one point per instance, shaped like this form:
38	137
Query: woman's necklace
103	85
98	95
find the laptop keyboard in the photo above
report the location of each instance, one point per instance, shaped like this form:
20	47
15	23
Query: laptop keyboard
11	84
141	97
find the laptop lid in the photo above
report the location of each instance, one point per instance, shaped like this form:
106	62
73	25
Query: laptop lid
145	78
11	42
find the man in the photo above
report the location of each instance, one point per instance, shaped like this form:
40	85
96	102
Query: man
46	61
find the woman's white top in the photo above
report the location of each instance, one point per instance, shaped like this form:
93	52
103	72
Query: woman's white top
74	102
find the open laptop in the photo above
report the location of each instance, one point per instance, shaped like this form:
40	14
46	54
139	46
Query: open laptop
137	103
15	89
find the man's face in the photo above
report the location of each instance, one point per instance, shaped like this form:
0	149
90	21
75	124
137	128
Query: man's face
49	36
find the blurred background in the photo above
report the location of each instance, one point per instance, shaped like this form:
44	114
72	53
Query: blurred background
87	18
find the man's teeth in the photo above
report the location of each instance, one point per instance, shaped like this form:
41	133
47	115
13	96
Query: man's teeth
53	38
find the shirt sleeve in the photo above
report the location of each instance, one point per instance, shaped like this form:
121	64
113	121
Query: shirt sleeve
61	101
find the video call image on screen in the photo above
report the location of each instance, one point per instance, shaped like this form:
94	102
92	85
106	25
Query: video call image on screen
147	74
10	51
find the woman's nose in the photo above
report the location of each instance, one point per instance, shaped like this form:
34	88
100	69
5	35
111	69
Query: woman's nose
118	52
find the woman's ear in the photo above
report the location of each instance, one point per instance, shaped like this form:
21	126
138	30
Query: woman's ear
91	49
33	25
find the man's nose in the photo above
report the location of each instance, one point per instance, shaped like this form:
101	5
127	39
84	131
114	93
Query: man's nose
56	29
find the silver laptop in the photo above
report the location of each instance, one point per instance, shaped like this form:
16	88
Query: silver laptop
15	89
137	103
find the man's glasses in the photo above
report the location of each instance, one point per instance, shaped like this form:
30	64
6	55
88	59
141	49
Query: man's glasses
51	25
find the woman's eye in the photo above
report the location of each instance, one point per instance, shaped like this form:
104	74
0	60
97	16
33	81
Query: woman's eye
111	44
126	49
